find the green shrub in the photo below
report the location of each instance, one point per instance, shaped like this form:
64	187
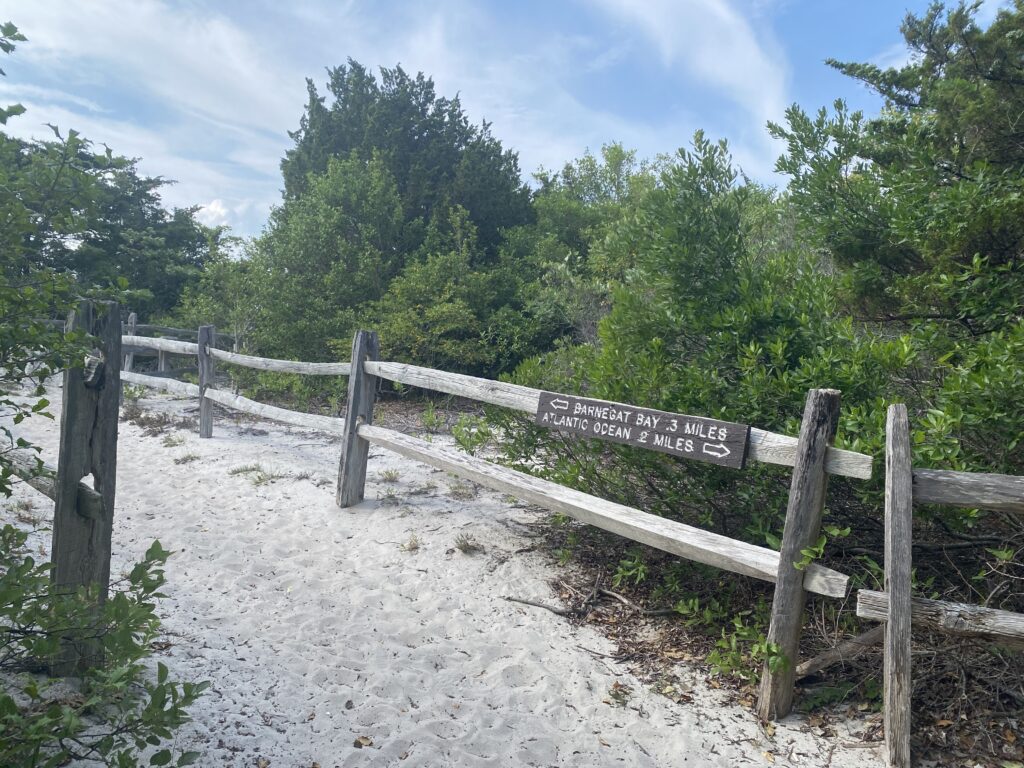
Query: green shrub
115	710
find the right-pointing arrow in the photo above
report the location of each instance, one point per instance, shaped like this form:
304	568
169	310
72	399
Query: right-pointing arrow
718	450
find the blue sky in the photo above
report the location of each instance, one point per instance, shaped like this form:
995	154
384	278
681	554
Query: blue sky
204	92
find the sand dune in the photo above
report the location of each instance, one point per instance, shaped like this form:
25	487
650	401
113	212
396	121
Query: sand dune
320	628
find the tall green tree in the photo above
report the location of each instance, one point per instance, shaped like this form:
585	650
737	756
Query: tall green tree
923	204
437	158
327	253
923	209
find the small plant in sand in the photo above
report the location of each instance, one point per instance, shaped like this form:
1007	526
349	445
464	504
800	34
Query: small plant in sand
618	694
172	441
431	420
389	475
462	491
260	475
633	568
265	476
25	513
412	545
188	458
467	545
566	551
245	469
154	424
389	498
130	408
471	433
425	489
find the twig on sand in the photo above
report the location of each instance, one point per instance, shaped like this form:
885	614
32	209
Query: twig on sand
552	608
635	607
583	609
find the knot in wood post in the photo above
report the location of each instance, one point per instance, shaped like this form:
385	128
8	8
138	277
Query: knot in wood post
92	372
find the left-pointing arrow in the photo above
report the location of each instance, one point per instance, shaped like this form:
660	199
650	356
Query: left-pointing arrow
560	404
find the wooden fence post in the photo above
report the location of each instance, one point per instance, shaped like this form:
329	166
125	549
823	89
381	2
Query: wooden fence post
207	338
899	503
362	388
803	523
129	357
88	446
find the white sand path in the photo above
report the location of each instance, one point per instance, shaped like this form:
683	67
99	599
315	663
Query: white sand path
316	626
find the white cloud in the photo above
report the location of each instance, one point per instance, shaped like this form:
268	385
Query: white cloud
714	43
193	60
213	214
21	92
207	98
989	9
896	56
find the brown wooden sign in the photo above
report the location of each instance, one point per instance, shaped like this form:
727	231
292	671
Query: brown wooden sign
691	437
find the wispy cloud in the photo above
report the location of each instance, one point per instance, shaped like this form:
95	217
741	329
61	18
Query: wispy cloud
710	40
205	92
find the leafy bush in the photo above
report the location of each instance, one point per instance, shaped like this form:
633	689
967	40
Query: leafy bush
115	710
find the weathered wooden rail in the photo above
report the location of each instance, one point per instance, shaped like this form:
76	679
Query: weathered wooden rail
43	477
661	533
764	446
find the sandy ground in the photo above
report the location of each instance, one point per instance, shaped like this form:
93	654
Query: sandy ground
320	627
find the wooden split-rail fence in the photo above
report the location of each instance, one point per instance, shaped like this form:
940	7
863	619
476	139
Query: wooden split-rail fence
811	454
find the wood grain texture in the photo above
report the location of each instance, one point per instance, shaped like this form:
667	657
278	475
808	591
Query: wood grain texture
803	523
766	447
163	361
960	619
486	391
898	553
773	448
659	532
26	464
164	345
329	424
207	334
283	366
1004	493
167	385
362	390
88	446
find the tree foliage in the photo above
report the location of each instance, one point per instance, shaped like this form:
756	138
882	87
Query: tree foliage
52	195
427	144
890	270
394	211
